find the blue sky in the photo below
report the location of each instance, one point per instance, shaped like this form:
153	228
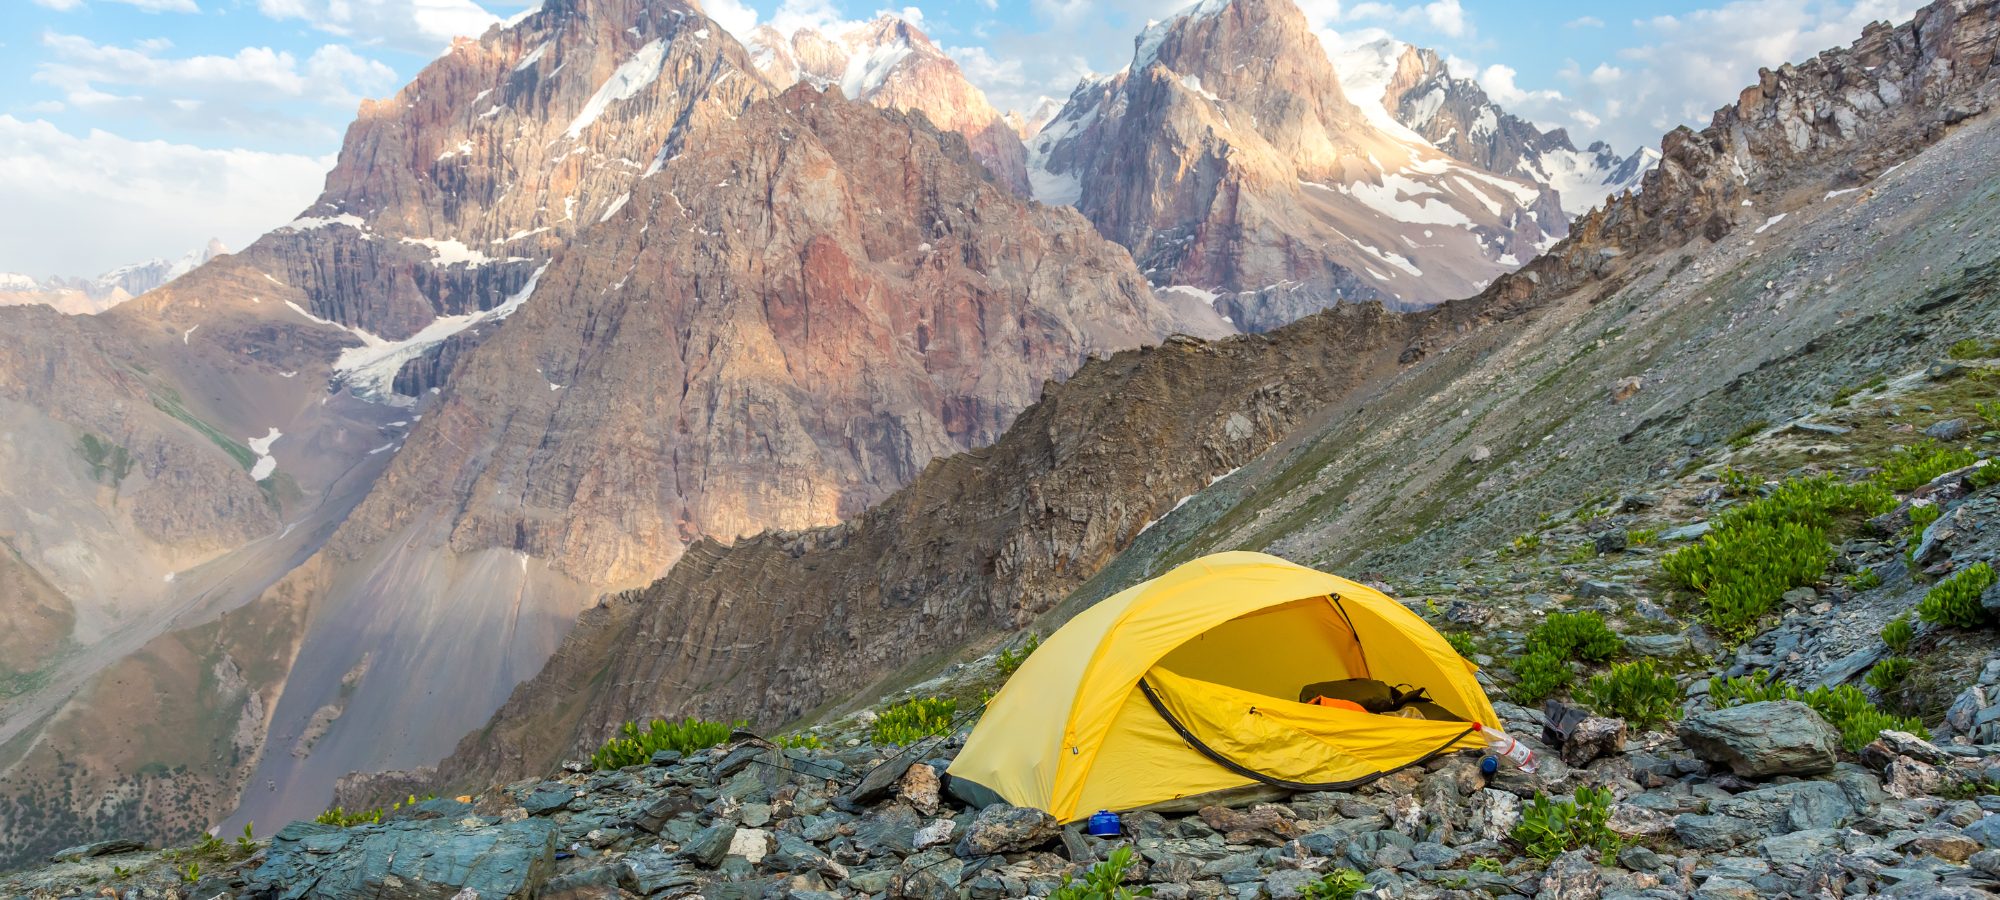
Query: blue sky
138	128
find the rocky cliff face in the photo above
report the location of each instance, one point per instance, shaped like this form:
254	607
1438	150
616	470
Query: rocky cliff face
848	300
1228	159
891	63
1454	114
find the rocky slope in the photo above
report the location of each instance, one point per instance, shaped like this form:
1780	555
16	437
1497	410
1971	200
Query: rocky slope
980	543
1228	159
1414	86
891	63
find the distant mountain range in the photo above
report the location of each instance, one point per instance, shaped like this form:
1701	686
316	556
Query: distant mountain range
80	296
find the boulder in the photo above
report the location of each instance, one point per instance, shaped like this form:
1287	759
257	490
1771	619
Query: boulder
919	788
1759	740
426	860
1007	829
101	848
1593	738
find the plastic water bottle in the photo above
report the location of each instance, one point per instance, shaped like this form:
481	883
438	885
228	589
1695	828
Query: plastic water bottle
1503	744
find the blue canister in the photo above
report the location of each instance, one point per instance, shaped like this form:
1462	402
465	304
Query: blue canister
1104	824
1488	765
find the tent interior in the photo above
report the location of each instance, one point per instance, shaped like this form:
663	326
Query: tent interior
1279	650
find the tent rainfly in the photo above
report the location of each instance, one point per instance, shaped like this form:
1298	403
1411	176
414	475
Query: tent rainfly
1190	683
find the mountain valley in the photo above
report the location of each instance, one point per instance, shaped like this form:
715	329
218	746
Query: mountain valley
626	370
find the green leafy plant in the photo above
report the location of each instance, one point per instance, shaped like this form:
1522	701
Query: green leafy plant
1888	674
1640	537
1955	602
344	819
1756	552
1104	881
192	873
637	746
1747	433
1985	476
1972	348
1010	661
1898	633
1487	864
1462	643
1968	788
121	873
914	719
1841	396
1338	884
1914	466
1845	707
1582	634
1550	827
800	740
1581	553
1738	483
1636	692
1527	543
1863	580
247	844
1539	674
1988	410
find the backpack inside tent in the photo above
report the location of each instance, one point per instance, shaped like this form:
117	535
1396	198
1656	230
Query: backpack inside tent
1204	678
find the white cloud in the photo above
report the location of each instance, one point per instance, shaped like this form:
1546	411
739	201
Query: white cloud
234	93
1498	81
1584	22
1445	17
80	204
151	6
59	5
421	26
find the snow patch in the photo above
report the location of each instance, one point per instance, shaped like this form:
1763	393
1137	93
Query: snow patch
632	76
1770	222
372	367
615	206
533	57
265	465
187	335
866	72
1832	194
454	252
308	223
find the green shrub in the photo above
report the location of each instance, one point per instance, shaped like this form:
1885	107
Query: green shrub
1640	537
1955	601
1581	553
1486	864
344	819
1636	692
800	740
914	719
1841	396
1914	466
1988	410
1537	675
1462	643
1756	552
1972	348
1888	674
1582	635
637	746
1845	707
1863	580
1339	884
1985	476
1010	661
1738	483
1551	827
1898	633
1527	543
1746	434
1104	881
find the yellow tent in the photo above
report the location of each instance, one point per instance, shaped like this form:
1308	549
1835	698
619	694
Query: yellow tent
1187	684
